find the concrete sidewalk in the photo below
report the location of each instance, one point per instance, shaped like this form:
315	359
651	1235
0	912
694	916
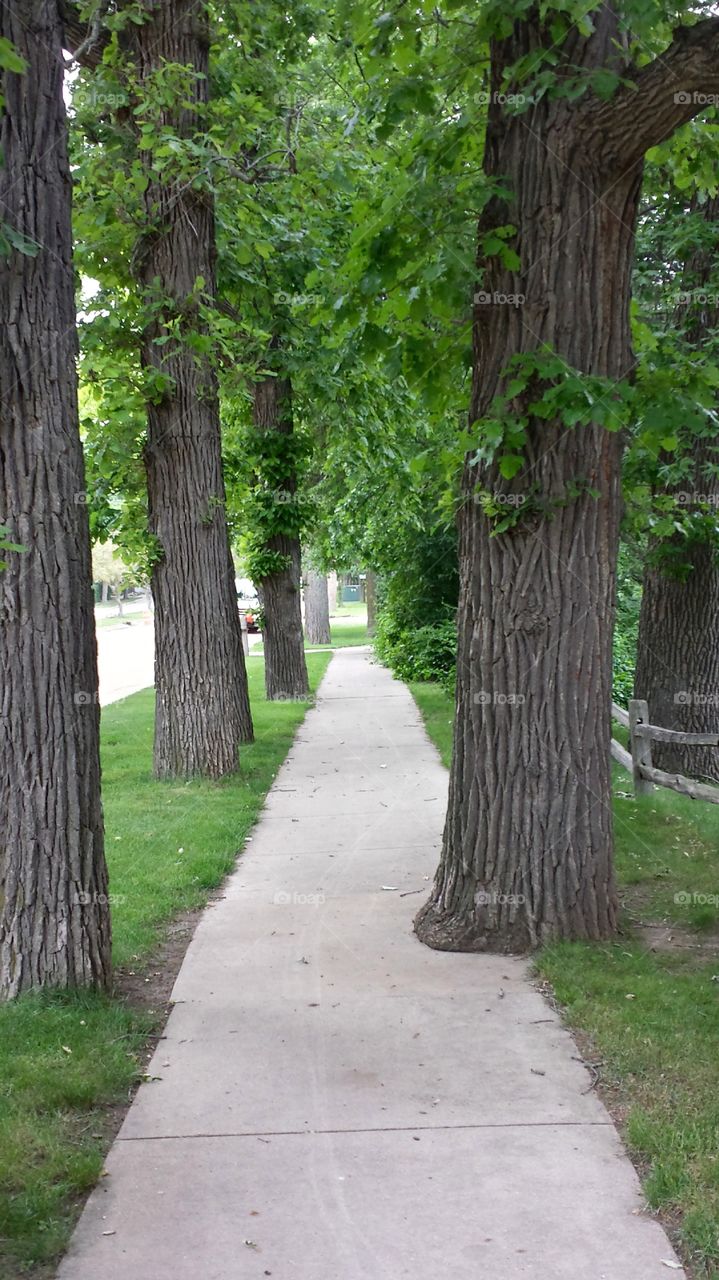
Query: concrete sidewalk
334	1101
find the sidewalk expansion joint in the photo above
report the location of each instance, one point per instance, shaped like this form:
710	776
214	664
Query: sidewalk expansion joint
414	1128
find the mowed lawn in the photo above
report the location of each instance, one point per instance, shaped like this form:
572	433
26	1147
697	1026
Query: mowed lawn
65	1060
348	628
648	1004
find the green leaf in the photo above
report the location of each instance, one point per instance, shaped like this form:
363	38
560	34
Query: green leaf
510	464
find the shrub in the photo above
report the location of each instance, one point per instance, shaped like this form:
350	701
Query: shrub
416	633
420	653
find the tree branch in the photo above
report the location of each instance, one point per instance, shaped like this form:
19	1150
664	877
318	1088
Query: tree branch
678	85
85	45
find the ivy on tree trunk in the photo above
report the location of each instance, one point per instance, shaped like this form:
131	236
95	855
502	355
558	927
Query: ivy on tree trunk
527	851
54	913
278	560
678	644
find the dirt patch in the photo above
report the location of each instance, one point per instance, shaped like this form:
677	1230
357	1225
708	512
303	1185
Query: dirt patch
664	935
674	939
150	985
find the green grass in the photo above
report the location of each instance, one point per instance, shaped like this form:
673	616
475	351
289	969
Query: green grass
351	608
652	1016
437	710
115	621
65	1059
346	632
653	1019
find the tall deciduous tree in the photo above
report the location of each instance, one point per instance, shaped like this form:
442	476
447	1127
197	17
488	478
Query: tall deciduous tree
678	647
203	709
527	853
317	608
279	558
54	917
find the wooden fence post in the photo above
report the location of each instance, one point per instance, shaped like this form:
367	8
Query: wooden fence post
640	747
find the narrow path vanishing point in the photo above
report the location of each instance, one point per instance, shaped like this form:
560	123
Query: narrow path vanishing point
334	1101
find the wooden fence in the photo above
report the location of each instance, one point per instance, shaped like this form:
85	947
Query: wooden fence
638	760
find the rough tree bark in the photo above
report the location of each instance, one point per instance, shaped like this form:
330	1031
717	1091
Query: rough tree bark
285	666
678	648
54	914
371	600
203	710
317	608
527	851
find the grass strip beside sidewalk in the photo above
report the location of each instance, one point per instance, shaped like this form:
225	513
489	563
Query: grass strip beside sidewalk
68	1062
647	1005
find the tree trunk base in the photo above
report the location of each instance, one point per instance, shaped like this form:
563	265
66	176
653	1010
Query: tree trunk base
448	931
501	924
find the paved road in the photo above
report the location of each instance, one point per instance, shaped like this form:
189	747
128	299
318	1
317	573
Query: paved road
125	659
334	1101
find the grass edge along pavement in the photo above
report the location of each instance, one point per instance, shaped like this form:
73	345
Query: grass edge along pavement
69	1064
646	1006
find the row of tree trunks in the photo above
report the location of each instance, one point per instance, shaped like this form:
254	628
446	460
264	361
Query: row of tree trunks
203	711
527	852
54	917
678	650
285	666
317	608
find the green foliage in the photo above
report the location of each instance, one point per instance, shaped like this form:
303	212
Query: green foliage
7	544
10	237
426	653
416	623
626	630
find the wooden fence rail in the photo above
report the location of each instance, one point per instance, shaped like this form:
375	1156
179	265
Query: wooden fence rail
638	760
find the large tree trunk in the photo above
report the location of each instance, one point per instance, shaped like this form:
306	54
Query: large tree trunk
317	608
371	599
285	666
527	852
678	647
203	711
678	658
54	915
